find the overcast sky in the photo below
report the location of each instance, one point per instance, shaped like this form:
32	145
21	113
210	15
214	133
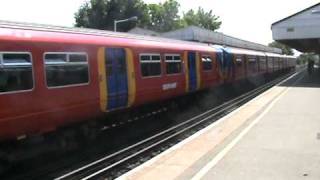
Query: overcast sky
245	19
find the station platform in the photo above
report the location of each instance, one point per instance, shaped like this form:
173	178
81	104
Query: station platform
274	136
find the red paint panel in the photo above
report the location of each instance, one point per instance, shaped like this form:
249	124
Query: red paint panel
150	89
209	78
44	109
240	72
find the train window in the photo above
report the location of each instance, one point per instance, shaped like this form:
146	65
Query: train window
15	71
262	59
262	63
173	63
238	61
252	63
270	62
206	63
252	60
150	64
77	58
64	69
56	58
275	63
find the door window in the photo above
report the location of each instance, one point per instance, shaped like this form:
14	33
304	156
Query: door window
173	63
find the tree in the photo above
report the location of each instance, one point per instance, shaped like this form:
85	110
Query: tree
306	57
100	14
161	17
285	49
202	19
164	17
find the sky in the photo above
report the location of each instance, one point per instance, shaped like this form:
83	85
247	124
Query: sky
245	19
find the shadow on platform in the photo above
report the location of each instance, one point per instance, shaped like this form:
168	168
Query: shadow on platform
309	81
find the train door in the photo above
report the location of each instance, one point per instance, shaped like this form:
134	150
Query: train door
220	65
192	71
117	89
228	66
117	81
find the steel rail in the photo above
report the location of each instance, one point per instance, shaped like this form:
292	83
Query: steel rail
94	169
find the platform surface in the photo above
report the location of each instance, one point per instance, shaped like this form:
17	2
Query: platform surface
274	136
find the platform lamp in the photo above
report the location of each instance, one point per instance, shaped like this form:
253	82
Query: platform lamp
133	18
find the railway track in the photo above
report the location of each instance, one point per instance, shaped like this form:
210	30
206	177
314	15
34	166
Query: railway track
115	164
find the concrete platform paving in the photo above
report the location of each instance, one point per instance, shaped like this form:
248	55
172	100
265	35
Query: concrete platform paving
275	136
285	144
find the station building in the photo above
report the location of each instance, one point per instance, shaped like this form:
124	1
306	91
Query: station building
300	31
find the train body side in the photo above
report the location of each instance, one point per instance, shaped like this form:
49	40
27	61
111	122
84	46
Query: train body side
43	109
117	79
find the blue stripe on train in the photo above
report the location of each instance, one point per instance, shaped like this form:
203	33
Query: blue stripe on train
192	71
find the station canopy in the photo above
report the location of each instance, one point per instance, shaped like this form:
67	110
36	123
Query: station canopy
198	34
300	31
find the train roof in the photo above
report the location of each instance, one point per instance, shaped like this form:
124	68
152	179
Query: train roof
48	33
240	50
249	52
274	55
245	51
291	57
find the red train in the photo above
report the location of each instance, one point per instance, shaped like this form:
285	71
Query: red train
51	77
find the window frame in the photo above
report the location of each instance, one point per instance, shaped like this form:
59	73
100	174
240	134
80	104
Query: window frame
67	55
240	64
32	69
252	60
239	60
270	62
212	62
263	59
140	63
173	61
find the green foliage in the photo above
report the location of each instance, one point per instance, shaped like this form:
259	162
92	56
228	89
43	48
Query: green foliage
285	49
162	17
100	14
202	19
305	57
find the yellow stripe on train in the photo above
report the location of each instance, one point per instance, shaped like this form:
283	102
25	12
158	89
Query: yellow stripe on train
185	60
198	70
131	77
102	79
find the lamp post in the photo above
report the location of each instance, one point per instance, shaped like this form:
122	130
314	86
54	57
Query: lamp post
134	18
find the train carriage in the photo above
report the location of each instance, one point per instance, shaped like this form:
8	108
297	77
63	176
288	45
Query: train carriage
55	78
52	77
